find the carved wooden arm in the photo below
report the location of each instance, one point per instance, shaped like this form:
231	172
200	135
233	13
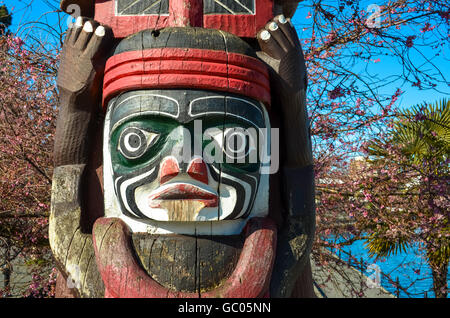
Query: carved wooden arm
79	79
282	51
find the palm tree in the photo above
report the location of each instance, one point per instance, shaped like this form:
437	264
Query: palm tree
418	147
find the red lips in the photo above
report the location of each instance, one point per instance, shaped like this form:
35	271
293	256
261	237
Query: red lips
184	192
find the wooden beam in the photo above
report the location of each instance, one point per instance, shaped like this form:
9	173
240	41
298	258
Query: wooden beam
186	13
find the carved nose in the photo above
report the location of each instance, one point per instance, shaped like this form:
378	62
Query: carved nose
197	170
169	170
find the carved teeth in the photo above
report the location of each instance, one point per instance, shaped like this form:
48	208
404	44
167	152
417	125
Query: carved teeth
282	19
100	31
88	27
273	26
265	35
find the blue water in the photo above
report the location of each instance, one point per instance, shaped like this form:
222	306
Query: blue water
409	267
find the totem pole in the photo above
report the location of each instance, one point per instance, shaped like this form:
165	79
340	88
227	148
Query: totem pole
183	163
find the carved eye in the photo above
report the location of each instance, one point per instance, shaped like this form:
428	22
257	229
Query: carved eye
236	143
134	142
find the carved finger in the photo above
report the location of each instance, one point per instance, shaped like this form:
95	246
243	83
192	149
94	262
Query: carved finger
69	33
269	45
100	40
79	23
85	35
278	35
288	29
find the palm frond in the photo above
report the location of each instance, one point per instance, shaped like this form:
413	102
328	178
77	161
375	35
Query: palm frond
421	133
379	246
424	131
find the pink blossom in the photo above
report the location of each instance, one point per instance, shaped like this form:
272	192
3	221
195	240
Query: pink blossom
409	40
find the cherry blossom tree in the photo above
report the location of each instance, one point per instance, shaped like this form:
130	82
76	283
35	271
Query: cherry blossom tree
352	101
27	123
405	183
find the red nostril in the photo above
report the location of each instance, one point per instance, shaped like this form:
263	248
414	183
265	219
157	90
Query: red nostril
169	170
198	171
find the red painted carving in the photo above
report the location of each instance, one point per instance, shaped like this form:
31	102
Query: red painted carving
168	68
185	13
169	170
197	170
123	26
242	25
185	192
125	278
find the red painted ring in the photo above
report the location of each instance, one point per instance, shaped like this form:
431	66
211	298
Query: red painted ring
186	68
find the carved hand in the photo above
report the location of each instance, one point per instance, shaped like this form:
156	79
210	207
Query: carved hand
80	75
282	51
82	60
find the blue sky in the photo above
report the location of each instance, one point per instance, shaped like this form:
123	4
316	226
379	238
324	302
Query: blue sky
31	10
390	66
38	10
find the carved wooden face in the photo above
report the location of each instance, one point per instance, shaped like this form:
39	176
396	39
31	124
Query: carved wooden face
185	156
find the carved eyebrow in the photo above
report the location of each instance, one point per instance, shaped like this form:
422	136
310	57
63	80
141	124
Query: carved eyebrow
239	107
207	105
141	103
229	106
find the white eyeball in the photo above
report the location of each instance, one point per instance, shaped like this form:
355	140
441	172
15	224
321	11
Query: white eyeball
134	142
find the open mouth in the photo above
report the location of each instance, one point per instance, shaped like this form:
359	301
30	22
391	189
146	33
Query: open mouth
183	192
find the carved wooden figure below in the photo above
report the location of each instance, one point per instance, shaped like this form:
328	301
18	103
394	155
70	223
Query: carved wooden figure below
183	164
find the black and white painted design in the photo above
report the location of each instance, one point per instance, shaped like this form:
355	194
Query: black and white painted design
233	7
161	7
136	123
134	142
141	7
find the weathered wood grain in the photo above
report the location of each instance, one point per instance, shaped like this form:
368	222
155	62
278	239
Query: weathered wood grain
72	249
124	276
188	263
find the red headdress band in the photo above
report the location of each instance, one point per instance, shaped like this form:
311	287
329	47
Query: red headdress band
167	68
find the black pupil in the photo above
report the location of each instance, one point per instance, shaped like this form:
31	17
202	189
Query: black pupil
236	144
135	141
